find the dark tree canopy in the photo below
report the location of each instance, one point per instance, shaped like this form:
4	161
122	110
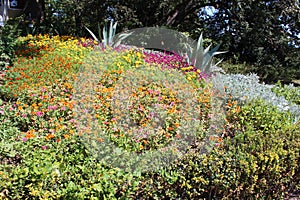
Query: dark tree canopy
259	32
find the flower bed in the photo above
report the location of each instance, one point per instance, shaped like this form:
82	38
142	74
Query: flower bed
47	98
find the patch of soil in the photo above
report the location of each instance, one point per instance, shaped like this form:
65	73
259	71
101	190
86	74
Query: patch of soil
16	160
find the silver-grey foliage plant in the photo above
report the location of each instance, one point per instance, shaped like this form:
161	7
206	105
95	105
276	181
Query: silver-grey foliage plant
244	88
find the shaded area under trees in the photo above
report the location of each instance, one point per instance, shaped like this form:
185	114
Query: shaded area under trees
265	35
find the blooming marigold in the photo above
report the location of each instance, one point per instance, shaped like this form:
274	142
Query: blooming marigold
50	136
30	134
66	136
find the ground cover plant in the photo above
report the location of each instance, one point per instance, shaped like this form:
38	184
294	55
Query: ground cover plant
254	154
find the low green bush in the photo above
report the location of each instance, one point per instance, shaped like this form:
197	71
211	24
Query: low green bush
8	43
238	68
289	92
64	170
256	163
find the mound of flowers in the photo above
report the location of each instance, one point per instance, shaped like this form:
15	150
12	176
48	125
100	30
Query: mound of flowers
67	105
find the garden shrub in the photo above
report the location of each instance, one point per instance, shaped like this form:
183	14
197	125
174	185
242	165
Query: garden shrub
237	68
244	88
62	170
257	163
43	156
8	43
289	92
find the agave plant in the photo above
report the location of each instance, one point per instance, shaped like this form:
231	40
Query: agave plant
107	36
203	58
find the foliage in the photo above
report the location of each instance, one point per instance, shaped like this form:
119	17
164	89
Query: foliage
233	67
69	17
255	163
290	92
150	108
203	58
43	153
29	70
107	36
266	38
8	43
246	88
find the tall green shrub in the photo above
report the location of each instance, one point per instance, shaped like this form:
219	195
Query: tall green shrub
8	43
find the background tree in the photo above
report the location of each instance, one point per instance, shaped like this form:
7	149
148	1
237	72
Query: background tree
263	34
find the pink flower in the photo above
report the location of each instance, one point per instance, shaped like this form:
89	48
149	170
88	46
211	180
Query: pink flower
39	113
24	139
52	107
44	147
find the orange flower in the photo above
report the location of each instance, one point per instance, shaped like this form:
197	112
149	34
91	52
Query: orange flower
177	125
66	136
170	111
220	139
50	136
30	134
145	141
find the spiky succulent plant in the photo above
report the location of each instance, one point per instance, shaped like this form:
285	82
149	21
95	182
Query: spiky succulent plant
203	58
107	35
